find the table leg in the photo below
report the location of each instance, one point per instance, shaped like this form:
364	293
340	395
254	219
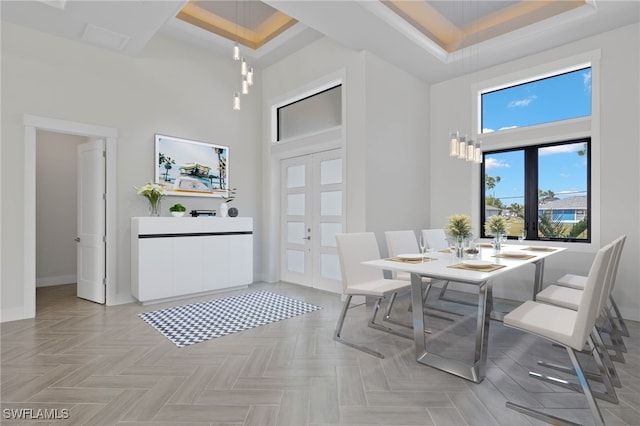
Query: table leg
474	372
418	314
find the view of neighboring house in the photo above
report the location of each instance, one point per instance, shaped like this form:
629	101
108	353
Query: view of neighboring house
567	210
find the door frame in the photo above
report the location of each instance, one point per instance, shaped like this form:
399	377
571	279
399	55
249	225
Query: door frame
110	135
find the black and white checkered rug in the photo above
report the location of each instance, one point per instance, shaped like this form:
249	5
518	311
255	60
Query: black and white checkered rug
197	322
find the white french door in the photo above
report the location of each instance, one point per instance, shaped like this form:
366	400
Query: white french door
312	207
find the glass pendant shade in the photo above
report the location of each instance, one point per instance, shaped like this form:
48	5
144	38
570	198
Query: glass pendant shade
453	149
471	152
478	152
243	67
462	147
245	86
236	101
250	76
236	52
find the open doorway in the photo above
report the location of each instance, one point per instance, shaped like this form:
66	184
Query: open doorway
33	124
70	213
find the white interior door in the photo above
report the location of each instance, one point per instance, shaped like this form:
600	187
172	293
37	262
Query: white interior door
312	206
91	221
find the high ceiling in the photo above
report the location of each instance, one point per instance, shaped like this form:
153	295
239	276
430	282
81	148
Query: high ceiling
431	39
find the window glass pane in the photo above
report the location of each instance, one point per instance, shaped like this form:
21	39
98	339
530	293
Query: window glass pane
295	232
312	114
562	191
295	176
330	266
505	188
331	203
295	204
543	190
331	171
560	97
295	261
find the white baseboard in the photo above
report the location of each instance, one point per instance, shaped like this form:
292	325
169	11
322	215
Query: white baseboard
12	314
49	281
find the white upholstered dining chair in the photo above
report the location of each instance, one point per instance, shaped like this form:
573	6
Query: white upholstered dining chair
569	328
362	280
404	241
570	298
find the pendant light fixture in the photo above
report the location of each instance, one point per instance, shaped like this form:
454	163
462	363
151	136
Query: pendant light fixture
246	71
461	146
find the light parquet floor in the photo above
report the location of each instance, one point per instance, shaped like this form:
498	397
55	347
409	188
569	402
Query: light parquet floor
87	364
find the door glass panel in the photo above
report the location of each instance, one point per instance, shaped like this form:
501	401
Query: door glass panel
330	266
295	176
331	172
295	232
331	203
295	261
295	204
328	233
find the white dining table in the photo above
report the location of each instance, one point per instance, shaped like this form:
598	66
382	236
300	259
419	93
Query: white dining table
444	266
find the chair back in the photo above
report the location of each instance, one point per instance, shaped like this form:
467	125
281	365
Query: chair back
436	238
612	270
399	242
589	307
354	248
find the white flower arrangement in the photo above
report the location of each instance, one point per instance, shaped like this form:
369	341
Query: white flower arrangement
154	192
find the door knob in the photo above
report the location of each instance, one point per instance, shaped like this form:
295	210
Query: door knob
76	239
306	238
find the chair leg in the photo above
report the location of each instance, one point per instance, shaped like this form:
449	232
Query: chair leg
337	335
608	366
593	405
623	325
586	390
616	335
387	315
374	324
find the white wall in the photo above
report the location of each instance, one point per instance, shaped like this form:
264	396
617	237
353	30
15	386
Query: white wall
397	150
56	207
619	177
171	88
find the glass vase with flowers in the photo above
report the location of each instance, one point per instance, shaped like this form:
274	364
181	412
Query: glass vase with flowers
154	193
459	229
497	226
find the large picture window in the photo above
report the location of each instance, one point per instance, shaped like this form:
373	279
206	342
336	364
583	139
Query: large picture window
542	190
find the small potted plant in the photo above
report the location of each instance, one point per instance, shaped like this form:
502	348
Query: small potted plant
177	210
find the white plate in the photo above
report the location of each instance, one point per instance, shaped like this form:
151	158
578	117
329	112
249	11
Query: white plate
513	254
411	256
480	264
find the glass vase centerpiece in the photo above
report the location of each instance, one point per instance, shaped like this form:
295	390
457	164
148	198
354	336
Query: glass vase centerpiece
154	193
498	227
459	229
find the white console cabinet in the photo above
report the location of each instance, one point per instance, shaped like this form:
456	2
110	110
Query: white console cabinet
177	257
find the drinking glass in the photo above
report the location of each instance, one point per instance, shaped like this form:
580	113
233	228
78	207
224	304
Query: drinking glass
423	246
522	236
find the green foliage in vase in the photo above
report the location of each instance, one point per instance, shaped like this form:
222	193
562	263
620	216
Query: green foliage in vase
459	226
496	225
